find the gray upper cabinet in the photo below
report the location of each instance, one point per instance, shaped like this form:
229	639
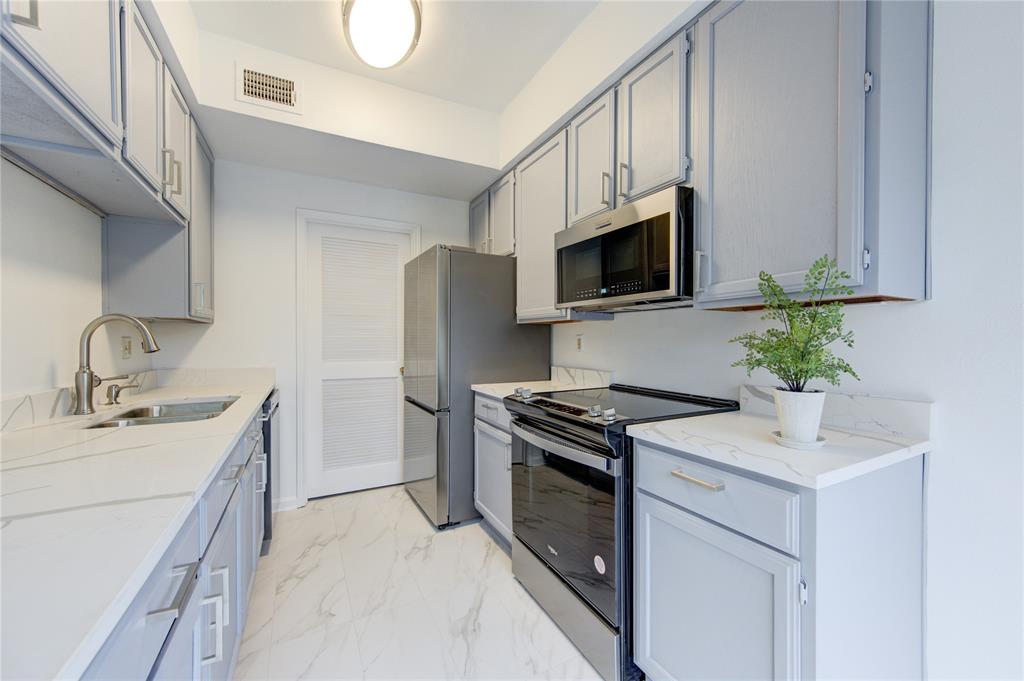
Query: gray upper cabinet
540	212
200	236
711	604
502	237
652	125
143	99
176	148
779	138
76	48
480	223
592	159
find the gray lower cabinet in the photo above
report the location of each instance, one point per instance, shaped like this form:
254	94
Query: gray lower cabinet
711	603
651	149
592	159
492	476
480	223
220	625
503	227
76	47
787	126
738	576
540	213
187	621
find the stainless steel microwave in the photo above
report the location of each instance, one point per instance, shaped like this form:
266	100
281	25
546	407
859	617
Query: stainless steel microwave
632	257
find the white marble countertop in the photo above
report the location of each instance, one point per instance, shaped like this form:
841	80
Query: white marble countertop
744	440
562	378
87	514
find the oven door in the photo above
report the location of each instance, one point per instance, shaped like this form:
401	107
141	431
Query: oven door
564	509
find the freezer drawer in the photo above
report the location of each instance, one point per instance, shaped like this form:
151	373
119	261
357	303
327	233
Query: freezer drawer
425	460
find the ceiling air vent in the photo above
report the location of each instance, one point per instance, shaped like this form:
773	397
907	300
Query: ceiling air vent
256	86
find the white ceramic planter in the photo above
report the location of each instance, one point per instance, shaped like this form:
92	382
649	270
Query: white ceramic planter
799	414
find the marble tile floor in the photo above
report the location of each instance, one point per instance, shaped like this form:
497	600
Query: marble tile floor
360	586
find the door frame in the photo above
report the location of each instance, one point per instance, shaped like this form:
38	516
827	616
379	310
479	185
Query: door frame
303	218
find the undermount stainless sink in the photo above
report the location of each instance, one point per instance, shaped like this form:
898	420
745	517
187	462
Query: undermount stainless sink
167	413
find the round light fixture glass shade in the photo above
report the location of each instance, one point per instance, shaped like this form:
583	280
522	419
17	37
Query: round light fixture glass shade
381	33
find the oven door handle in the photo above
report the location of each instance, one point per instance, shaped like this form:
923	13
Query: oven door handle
601	463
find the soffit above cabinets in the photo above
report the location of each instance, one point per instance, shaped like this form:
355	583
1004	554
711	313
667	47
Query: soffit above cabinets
477	53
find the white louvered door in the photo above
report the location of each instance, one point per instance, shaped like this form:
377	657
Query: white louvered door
353	350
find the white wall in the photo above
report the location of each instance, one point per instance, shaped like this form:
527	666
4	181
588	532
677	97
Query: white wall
962	350
50	288
254	275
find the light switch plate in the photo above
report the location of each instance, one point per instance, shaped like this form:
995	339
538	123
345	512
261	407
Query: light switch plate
126	347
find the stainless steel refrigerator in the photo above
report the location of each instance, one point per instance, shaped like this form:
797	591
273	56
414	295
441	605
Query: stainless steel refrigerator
460	329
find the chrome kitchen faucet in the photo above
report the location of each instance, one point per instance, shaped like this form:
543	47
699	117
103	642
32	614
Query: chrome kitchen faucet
85	378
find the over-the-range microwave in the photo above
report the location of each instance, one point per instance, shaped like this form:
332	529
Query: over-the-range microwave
632	258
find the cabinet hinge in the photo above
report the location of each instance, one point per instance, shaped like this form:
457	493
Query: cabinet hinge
686	46
803	592
869	81
866	258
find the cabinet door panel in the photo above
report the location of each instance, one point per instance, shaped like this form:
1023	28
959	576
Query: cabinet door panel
492	490
143	81
711	604
502	235
779	189
479	223
219	621
177	148
592	158
651	140
540	212
76	47
200	233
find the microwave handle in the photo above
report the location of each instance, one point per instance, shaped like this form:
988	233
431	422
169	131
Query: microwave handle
601	463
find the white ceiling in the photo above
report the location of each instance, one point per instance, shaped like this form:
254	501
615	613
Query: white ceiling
476	52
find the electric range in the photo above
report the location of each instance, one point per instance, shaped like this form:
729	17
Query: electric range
571	507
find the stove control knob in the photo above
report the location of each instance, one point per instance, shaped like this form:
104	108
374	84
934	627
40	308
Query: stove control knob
594	410
526	393
609	414
519	392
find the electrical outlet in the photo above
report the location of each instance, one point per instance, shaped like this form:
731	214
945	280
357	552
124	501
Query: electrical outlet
126	347
579	342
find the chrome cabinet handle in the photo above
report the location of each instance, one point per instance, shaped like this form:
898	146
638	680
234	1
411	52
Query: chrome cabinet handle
177	173
173	610
697	255
168	161
623	179
713	486
225	574
218	615
606	183
32	19
261	486
232	479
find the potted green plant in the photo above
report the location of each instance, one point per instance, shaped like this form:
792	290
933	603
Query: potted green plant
798	352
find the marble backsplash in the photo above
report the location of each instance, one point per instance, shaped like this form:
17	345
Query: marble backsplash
23	411
865	413
579	376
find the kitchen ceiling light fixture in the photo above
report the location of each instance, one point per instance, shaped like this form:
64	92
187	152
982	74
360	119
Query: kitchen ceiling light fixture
382	33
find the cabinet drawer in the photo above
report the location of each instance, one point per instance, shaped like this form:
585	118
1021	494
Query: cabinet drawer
132	650
217	496
762	512
493	412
